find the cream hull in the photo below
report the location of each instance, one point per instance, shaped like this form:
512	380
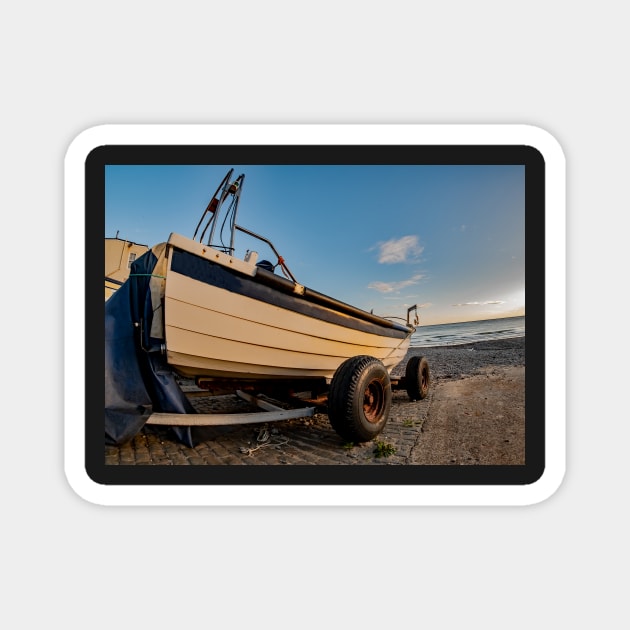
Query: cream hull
221	321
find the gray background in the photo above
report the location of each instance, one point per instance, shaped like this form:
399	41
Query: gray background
68	66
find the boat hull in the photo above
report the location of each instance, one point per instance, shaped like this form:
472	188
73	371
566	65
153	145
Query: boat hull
226	319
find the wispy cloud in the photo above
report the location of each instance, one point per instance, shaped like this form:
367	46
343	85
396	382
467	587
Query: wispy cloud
390	287
480	303
399	250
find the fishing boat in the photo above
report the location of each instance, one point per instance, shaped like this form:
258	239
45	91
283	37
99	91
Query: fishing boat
200	312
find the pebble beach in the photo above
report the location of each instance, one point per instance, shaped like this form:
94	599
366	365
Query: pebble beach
458	361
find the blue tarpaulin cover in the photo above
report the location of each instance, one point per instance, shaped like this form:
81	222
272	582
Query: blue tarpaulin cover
138	381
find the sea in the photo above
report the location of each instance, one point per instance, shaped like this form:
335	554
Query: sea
468	332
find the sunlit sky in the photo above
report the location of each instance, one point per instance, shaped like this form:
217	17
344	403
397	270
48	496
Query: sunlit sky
448	238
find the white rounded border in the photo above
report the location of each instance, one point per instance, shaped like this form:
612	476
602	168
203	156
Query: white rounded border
321	495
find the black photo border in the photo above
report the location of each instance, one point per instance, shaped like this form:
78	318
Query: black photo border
330	154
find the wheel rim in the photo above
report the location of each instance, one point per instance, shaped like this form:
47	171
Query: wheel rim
373	401
424	381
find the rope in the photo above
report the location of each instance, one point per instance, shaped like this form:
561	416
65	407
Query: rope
263	437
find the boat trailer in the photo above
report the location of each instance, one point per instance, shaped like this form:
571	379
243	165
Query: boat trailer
372	403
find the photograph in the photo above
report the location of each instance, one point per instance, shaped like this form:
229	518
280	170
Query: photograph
350	314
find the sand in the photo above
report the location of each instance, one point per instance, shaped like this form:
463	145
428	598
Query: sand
476	411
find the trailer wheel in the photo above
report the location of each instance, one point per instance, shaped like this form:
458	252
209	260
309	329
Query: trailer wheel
359	398
417	378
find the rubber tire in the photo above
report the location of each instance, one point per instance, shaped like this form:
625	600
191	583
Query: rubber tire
417	378
359	399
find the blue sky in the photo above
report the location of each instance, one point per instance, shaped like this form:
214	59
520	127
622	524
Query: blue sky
449	238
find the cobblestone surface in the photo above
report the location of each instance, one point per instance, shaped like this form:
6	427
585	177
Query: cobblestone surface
300	441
